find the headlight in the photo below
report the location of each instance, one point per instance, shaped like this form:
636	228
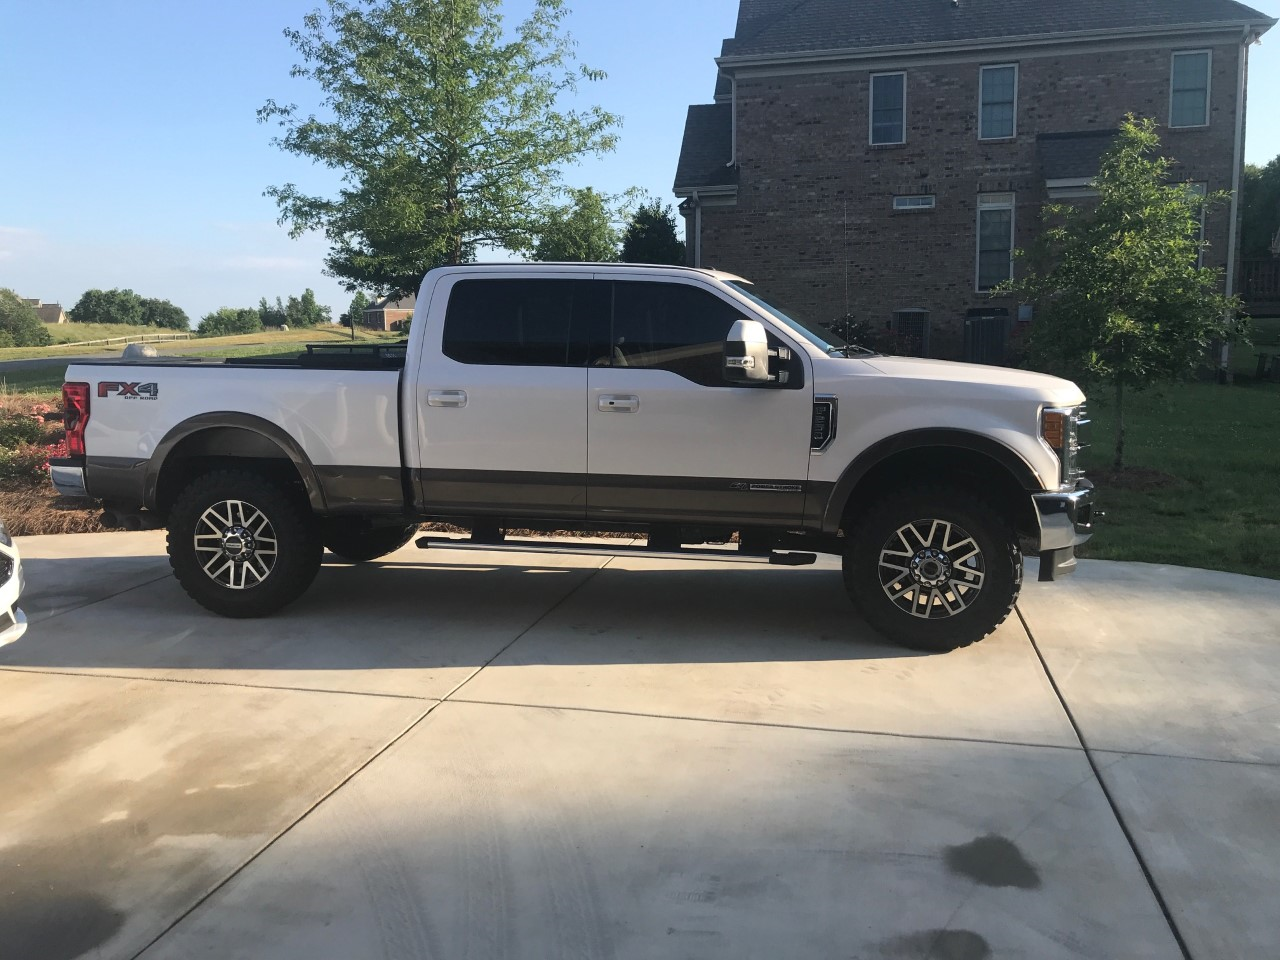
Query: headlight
1061	427
4	535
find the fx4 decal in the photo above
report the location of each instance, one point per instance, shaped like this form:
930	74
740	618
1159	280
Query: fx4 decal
130	391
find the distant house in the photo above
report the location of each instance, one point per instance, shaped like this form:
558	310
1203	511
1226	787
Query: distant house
388	313
48	312
882	159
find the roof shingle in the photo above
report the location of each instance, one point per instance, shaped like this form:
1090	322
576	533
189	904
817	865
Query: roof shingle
707	148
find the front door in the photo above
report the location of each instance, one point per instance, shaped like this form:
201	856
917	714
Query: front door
669	440
502	426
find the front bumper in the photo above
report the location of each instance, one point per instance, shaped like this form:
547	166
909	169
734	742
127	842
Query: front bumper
1066	521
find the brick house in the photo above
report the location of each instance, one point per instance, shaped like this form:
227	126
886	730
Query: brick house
389	313
882	159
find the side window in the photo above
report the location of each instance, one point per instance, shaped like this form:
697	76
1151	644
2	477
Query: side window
533	323
669	326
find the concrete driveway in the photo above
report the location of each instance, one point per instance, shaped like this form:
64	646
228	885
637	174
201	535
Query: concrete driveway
479	755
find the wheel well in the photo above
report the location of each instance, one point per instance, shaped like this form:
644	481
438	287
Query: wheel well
218	448
975	471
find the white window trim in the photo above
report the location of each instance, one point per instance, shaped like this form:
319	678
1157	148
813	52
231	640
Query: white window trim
1208	87
993	201
871	109
1017	79
930	201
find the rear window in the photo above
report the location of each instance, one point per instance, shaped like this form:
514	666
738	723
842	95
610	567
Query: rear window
514	322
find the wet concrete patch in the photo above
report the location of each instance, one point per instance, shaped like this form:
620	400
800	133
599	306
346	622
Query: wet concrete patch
938	945
993	861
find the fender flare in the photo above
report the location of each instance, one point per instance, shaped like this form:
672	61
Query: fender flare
236	421
879	452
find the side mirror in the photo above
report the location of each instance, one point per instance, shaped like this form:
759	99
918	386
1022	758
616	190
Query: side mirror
746	353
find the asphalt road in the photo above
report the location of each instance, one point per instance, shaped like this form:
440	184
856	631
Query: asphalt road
525	755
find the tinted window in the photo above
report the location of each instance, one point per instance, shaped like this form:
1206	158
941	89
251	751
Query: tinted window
535	323
668	326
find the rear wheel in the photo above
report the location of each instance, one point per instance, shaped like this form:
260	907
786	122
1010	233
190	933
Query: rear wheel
933	568
242	545
355	540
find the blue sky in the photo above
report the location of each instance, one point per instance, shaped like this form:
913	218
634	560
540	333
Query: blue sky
133	157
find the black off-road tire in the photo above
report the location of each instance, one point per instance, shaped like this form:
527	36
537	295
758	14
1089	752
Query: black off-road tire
355	540
892	524
288	522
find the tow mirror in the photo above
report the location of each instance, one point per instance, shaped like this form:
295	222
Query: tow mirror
746	353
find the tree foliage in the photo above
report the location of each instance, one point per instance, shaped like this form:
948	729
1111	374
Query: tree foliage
1120	296
107	306
20	325
303	311
650	237
447	134
1260	211
272	315
226	321
580	232
165	315
359	303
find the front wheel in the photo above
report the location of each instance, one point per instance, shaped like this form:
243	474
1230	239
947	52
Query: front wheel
242	545
933	569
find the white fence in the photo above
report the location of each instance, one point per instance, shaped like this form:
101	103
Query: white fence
142	338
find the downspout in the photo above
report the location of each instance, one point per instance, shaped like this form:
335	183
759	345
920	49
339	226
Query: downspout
1237	169
733	121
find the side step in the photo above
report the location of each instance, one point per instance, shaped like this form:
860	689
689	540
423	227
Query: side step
622	548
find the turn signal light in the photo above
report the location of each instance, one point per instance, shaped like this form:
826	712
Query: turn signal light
1053	427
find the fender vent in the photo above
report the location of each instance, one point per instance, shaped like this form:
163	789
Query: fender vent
823	429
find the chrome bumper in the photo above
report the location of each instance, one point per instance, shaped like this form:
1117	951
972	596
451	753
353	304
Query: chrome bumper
68	480
1066	521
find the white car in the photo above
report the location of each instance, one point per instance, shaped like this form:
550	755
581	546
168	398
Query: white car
13	622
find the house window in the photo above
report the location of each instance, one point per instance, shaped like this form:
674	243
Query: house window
911	332
916	202
995	239
1189	96
998	102
888	108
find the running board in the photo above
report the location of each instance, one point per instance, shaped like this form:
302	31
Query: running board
622	548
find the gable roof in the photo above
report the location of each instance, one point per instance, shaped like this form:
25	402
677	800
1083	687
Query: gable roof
802	26
707	148
393	303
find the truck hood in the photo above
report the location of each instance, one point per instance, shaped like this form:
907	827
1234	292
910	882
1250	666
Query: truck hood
969	379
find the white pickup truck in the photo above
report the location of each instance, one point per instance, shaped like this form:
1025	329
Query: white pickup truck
670	402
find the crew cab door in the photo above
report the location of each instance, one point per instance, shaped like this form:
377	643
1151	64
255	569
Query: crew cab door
501	398
669	439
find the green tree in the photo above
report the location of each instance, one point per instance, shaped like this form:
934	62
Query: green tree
226	321
447	132
650	236
108	306
1120	297
20	325
305	312
580	232
165	315
359	303
272	316
1260	211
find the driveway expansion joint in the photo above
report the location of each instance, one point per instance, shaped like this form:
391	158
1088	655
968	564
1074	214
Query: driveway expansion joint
1111	801
853	731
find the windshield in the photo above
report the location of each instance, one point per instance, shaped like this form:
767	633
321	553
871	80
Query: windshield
822	338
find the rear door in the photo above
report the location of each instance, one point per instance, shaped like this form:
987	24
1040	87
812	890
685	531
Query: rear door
669	439
501	398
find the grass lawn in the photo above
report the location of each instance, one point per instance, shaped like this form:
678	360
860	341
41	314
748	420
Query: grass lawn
1205	466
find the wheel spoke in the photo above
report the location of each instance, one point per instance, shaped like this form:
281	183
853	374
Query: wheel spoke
931	568
235	544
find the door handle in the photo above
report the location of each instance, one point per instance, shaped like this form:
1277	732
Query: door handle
446	398
617	403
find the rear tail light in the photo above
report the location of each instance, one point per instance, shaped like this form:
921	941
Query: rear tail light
75	416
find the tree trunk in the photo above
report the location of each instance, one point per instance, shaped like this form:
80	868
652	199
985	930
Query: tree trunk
1118	465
